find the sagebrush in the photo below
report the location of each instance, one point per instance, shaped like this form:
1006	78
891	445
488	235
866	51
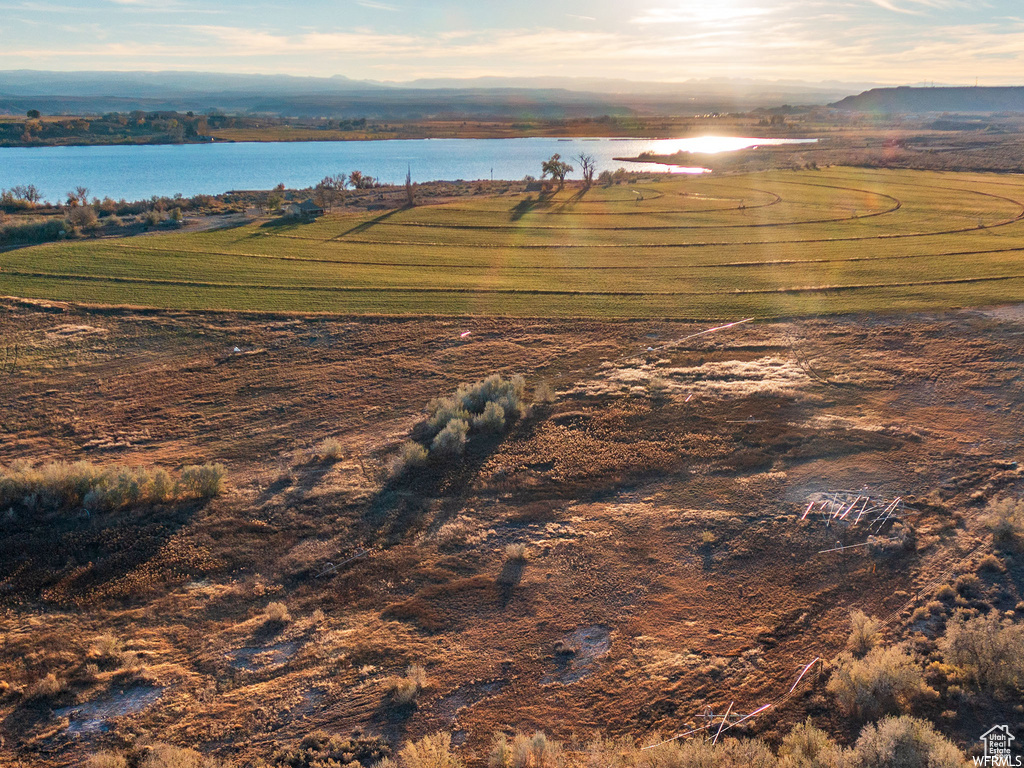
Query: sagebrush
62	485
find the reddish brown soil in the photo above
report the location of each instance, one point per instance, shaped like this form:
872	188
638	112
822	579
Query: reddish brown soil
610	488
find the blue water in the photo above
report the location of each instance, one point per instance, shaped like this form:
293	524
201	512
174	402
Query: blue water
139	172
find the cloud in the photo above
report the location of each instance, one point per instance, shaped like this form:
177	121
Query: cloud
932	4
724	11
375	5
795	39
890	7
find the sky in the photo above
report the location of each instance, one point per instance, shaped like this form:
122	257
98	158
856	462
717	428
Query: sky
890	42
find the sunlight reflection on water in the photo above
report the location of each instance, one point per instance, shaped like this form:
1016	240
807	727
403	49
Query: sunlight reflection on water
138	172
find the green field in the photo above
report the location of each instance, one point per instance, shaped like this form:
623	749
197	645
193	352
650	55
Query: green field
762	245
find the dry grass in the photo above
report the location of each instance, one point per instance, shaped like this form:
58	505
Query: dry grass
330	449
406	690
48	687
609	495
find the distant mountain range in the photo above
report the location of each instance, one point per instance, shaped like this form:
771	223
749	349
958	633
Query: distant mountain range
543	97
928	100
479	98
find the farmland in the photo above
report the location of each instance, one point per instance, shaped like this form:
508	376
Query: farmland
774	244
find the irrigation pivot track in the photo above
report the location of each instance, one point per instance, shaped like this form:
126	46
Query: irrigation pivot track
759	245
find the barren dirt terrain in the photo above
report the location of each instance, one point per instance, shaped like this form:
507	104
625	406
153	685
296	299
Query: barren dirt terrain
671	564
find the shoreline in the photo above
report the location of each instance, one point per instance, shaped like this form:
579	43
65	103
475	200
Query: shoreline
652	130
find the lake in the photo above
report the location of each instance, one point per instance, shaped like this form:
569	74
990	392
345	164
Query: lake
139	172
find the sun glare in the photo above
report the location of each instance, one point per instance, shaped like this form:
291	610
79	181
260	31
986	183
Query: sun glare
721	12
712	145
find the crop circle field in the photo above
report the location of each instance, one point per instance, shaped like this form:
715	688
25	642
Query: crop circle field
762	245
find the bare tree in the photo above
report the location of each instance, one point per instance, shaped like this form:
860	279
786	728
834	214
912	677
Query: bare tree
28	193
323	194
78	196
587	166
556	169
359	180
330	190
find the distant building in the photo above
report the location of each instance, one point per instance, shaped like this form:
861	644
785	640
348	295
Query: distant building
307	209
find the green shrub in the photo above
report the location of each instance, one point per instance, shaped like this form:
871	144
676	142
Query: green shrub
988	650
906	742
451	441
486	406
536	751
162	487
865	632
500	755
508	393
886	680
202	481
808	747
900	539
472	400
968	585
412	456
119	487
106	760
83	217
34	230
544	393
432	751
1005	519
991	563
491	420
516	553
169	756
276	613
61	485
443	412
319	750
